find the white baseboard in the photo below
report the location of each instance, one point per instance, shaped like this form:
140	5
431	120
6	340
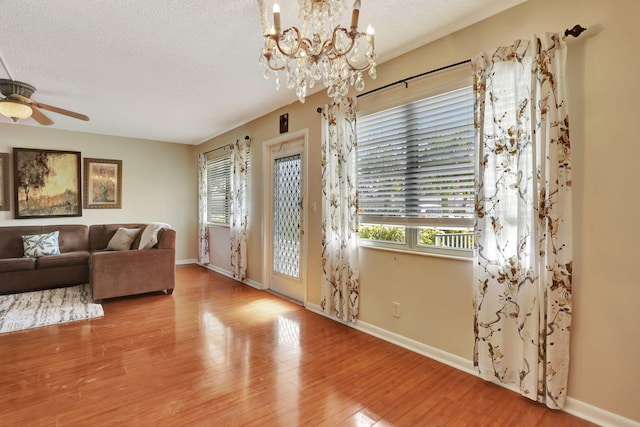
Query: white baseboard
253	284
572	406
426	350
597	415
186	261
248	282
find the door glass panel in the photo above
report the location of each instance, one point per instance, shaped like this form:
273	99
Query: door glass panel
286	216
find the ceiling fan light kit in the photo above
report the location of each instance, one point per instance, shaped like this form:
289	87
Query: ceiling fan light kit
15	109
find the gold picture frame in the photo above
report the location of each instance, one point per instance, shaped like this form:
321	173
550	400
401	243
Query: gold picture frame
4	182
102	184
46	183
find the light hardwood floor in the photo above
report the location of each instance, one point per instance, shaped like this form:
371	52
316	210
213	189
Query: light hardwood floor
220	353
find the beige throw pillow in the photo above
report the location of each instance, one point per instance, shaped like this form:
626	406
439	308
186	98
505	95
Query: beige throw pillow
122	240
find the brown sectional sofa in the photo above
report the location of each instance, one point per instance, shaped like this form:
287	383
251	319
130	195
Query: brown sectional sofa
120	273
83	259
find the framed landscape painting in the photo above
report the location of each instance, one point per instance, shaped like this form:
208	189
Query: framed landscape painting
102	184
4	181
46	183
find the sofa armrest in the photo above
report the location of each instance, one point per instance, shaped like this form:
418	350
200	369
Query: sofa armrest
166	239
120	273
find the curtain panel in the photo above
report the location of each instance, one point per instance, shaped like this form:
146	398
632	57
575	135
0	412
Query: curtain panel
523	252
239	208
340	294
203	229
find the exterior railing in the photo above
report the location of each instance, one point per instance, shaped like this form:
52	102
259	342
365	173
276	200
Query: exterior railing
460	241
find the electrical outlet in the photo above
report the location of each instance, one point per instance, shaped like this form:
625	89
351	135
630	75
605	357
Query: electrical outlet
396	309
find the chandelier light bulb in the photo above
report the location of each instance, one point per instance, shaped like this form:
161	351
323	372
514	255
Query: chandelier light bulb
370	33
355	15
276	17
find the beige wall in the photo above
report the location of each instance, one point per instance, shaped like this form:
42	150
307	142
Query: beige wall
435	293
159	180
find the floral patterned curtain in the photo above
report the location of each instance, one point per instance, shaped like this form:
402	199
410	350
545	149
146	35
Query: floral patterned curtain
340	271
523	254
239	208
203	229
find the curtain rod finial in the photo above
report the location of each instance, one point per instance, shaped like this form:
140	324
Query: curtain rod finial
575	31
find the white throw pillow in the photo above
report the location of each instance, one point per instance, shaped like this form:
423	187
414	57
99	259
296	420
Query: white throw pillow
37	245
122	240
149	236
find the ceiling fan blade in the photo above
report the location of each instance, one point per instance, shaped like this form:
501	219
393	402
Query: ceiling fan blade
62	111
39	117
51	108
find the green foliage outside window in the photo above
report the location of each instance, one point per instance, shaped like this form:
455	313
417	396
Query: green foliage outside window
382	233
426	236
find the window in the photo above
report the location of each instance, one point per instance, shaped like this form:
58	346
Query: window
416	175
218	187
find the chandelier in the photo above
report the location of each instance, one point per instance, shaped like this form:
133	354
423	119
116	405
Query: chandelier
321	50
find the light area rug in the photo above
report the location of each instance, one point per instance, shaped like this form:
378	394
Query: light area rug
49	307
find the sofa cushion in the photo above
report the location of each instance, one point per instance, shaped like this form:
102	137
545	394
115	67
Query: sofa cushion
37	245
73	237
11	245
17	264
121	241
66	259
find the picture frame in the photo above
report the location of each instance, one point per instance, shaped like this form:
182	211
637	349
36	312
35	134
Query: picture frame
284	123
102	184
46	183
5	200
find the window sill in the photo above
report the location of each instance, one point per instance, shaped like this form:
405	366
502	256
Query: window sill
419	253
215	224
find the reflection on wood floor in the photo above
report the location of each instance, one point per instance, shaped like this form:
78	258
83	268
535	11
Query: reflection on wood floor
220	353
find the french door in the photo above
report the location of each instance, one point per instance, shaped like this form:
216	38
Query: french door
285	238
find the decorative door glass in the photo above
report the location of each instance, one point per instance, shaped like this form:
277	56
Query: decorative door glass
286	215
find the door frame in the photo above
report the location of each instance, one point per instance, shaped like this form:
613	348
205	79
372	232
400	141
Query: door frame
267	213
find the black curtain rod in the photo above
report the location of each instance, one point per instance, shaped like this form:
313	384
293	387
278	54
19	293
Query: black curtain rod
406	81
216	149
224	146
574	32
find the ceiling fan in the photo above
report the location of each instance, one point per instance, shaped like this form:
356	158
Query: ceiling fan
17	104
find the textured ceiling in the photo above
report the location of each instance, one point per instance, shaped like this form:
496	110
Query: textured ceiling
180	70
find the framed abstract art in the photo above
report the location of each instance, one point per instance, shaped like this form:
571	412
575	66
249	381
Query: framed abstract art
46	183
102	184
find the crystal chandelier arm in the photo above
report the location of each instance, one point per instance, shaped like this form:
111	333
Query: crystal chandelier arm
330	47
301	47
355	68
268	56
302	43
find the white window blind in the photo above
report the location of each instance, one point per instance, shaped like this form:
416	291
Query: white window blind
218	182
416	162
